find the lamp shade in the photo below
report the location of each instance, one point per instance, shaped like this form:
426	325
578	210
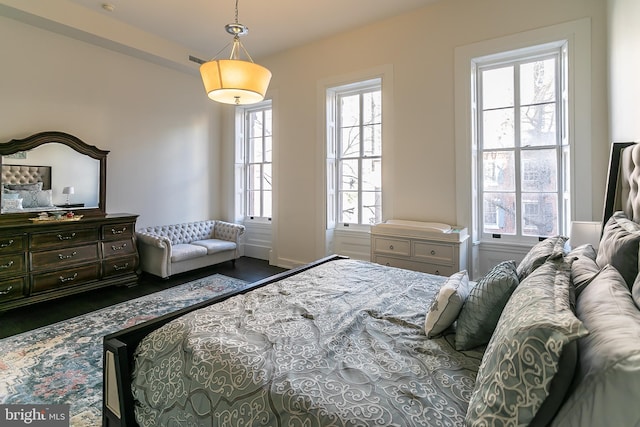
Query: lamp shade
234	81
585	232
68	190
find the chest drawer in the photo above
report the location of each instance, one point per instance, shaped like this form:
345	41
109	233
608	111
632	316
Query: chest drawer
391	246
118	266
425	267
13	289
63	257
117	248
65	278
63	238
433	251
12	265
15	243
117	231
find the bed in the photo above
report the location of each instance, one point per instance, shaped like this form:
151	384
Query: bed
26	188
553	340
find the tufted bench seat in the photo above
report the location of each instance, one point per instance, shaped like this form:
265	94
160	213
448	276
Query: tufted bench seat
170	249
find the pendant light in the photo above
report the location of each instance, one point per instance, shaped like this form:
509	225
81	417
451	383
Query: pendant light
233	80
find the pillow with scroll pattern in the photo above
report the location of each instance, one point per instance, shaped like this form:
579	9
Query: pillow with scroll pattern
447	305
36	199
522	359
538	254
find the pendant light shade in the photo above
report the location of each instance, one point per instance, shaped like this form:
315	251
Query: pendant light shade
233	80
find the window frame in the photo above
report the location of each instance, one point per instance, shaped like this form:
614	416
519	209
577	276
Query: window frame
334	201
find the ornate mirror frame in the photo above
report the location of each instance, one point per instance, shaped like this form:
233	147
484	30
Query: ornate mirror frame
38	139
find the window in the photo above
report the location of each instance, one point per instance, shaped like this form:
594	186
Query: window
522	145
355	153
258	161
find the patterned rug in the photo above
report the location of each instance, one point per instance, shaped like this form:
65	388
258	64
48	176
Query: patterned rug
62	363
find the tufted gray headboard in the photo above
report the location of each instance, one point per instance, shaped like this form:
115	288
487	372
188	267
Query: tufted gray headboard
623	182
26	174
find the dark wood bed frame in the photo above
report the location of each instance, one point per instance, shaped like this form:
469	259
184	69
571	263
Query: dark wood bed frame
118	408
118	349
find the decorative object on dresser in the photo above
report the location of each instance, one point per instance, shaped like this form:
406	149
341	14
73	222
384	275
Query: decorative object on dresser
421	246
44	257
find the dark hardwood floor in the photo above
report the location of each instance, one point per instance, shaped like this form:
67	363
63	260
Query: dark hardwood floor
23	319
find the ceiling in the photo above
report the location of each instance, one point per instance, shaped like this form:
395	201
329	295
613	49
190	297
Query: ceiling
274	25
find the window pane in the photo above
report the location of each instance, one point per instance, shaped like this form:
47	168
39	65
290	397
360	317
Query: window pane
371	175
349	207
372	108
255	150
538	125
267	209
497	128
267	122
372	140
539	170
540	214
350	142
350	110
254	177
497	88
253	203
499	209
371	207
538	82
268	149
349	175
266	176
255	124
498	171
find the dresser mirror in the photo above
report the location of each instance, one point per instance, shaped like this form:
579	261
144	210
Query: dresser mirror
52	172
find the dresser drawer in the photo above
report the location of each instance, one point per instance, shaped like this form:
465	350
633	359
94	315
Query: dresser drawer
118	248
12	265
434	252
63	238
116	266
425	267
13	289
15	243
117	231
391	246
64	278
63	257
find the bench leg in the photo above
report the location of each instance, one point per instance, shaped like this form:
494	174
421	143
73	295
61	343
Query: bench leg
233	263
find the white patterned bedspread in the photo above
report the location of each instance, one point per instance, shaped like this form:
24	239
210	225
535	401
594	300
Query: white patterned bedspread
341	344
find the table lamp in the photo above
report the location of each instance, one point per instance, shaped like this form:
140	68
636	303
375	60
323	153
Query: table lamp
68	191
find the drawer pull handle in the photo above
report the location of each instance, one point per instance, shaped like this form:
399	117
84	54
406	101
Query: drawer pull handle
120	267
6	245
388	264
114	231
61	237
438	272
5	292
118	248
433	252
74	253
391	247
7	265
68	279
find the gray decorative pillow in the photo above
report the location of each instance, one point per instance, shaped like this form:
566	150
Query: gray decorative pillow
583	266
549	247
35	199
481	311
447	305
606	391
523	356
619	246
36	186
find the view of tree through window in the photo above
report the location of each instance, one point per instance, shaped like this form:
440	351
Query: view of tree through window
359	156
258	162
520	146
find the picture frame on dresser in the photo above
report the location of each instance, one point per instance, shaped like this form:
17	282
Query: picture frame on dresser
44	257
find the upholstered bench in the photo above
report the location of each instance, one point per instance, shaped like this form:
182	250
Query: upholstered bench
170	249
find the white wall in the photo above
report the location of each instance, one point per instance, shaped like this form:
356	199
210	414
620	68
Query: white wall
162	132
420	49
624	66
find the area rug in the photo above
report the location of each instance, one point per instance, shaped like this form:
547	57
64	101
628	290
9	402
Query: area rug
62	363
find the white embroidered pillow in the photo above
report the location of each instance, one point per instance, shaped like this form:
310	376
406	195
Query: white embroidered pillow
446	306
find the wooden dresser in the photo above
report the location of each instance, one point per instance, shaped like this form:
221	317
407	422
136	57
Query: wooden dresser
416	246
45	260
